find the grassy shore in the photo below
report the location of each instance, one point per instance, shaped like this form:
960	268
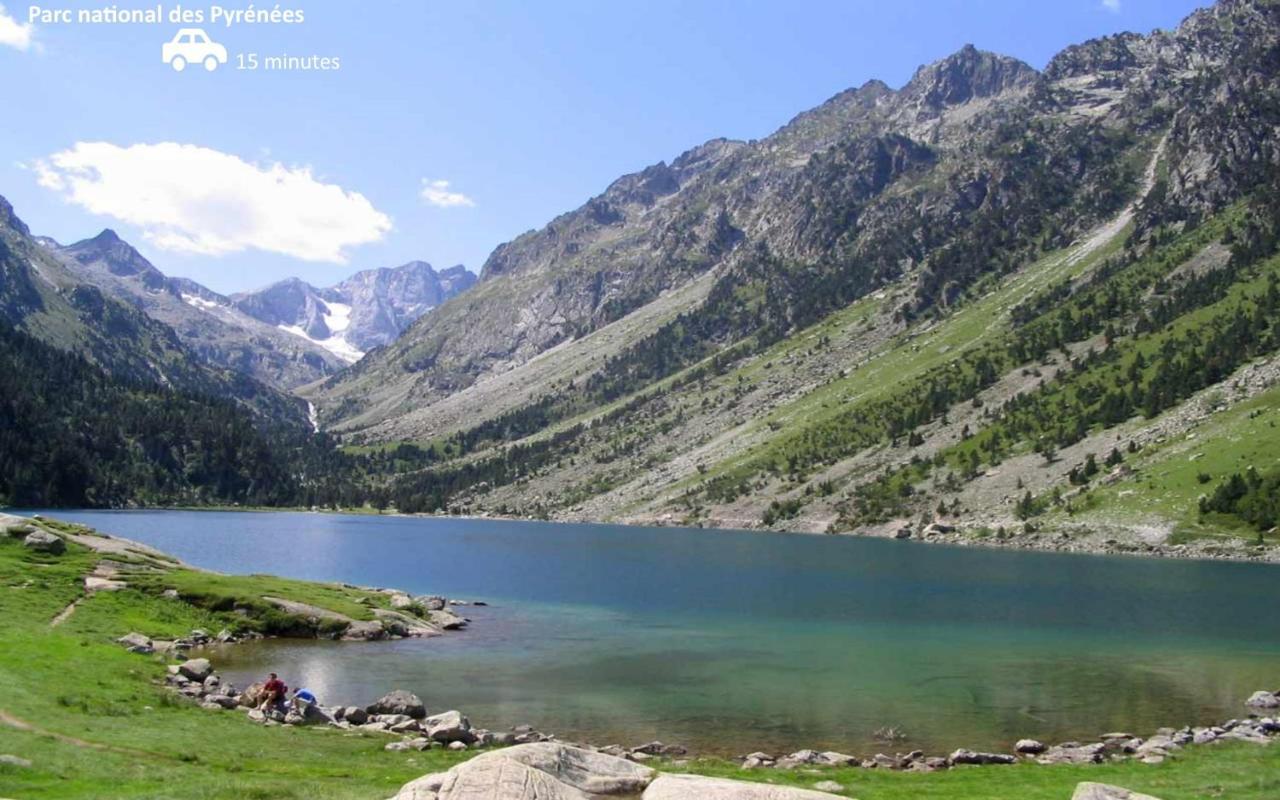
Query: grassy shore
95	723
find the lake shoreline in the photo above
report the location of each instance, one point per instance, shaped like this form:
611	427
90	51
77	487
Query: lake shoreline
1059	539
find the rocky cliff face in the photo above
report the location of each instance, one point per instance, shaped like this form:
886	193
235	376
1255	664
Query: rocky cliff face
978	162
205	321
369	309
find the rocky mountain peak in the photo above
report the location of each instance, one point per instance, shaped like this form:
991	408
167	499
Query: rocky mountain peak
10	220
108	251
966	75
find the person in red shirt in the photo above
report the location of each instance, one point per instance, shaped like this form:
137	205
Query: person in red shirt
273	692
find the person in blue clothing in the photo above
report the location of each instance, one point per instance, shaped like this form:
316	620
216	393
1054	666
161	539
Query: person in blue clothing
302	698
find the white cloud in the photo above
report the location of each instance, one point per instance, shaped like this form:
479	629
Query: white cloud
14	33
1111	5
197	200
437	194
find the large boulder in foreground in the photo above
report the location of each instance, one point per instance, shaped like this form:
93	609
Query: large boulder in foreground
399	702
45	542
684	787
554	771
545	771
1102	791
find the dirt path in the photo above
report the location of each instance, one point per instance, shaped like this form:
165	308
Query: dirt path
64	614
20	724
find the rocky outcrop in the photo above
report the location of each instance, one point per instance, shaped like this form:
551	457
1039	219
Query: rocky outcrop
1102	791
682	787
45	542
561	772
368	310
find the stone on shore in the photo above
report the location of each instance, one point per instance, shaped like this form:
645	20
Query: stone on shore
197	669
137	642
546	771
1073	753
1029	746
252	696
399	702
1101	791
684	787
449	726
963	756
45	542
15	761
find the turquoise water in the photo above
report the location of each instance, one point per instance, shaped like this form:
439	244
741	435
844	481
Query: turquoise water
731	641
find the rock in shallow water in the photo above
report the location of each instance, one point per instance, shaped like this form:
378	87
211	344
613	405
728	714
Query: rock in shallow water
1263	700
399	702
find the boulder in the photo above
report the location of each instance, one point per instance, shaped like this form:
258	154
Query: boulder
684	787
20	531
1072	753
45	542
355	715
1263	700
14	761
252	696
1029	746
546	771
828	786
447	620
834	759
399	702
196	669
449	726
431	602
963	756
1101	791
364	631
401	601
136	640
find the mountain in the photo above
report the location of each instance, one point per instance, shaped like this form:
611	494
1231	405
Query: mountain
368	310
102	404
206	322
955	302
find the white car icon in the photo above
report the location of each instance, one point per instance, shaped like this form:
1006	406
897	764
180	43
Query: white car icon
192	45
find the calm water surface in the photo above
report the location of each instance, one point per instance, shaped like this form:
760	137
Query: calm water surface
731	641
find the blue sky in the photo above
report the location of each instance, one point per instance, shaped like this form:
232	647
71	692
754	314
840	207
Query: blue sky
237	178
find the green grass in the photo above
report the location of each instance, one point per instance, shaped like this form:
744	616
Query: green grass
223	592
103	727
1169	474
1236	771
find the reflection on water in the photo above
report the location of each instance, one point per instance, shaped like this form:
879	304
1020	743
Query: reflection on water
730	642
